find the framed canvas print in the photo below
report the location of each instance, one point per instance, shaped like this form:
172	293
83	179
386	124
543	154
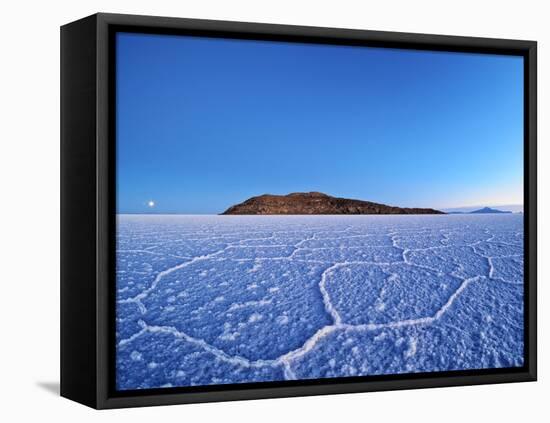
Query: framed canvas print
255	211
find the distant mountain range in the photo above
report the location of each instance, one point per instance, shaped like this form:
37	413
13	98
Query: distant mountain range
484	210
316	203
489	210
514	208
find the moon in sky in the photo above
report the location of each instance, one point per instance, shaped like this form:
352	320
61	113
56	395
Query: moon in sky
151	203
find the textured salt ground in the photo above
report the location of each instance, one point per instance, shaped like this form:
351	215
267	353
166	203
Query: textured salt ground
227	299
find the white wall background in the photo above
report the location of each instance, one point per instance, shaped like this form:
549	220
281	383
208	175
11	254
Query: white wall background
29	207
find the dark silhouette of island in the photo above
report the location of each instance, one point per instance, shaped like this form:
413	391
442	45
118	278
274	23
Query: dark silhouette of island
488	210
316	203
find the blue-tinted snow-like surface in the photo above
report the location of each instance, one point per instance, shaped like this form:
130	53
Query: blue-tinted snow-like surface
227	299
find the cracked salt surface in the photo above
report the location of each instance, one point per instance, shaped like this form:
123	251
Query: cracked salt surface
231	299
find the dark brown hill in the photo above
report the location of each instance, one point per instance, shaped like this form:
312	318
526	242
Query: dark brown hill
317	203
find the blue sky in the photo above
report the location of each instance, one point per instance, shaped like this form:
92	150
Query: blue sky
205	123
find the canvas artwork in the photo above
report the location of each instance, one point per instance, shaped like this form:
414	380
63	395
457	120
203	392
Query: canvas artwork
298	211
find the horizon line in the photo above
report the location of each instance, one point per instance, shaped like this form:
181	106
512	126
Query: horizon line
480	206
341	214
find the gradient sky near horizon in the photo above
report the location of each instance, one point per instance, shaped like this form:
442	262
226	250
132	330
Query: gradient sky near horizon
205	123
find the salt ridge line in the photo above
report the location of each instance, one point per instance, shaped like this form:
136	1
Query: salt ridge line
491	267
314	261
154	253
222	355
329	307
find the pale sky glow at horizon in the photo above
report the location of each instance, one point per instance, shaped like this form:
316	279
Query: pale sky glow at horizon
205	123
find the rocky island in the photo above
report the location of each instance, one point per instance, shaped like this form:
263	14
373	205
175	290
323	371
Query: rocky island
316	203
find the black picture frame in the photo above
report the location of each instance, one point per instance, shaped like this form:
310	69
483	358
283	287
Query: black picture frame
88	209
